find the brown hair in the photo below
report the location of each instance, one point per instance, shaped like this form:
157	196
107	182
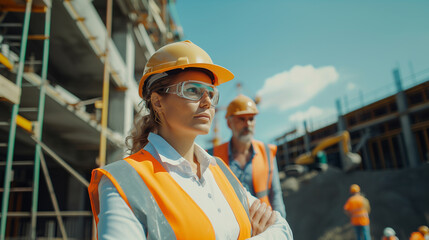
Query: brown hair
149	122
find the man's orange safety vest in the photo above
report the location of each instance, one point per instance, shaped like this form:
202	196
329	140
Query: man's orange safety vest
357	209
390	238
262	166
165	210
417	236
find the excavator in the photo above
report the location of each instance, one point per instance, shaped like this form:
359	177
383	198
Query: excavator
316	159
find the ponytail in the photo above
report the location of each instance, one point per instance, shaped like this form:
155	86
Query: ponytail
142	127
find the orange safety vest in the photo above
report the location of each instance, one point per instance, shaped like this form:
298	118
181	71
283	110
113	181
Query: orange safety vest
358	213
390	238
417	236
173	214
262	166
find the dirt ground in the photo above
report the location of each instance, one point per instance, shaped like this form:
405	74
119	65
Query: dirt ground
399	199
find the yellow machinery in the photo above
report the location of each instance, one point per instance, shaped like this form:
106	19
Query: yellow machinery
349	160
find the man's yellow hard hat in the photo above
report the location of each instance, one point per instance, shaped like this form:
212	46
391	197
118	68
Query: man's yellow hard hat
354	188
181	55
424	230
241	105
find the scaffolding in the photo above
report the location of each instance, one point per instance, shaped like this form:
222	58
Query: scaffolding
67	129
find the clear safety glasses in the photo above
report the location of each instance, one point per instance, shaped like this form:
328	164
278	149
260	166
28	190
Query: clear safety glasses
194	90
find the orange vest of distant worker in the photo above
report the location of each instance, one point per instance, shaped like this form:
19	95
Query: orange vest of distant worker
164	209
262	167
417	236
357	209
390	238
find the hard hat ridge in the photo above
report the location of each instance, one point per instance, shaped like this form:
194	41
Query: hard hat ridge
181	55
241	105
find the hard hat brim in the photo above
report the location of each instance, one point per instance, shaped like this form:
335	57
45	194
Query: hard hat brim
222	75
244	113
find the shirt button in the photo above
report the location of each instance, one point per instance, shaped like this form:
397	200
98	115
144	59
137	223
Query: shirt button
210	195
219	210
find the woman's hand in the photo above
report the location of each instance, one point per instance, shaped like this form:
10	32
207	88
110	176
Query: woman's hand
261	216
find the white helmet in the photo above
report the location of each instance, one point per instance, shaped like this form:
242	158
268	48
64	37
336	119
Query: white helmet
389	232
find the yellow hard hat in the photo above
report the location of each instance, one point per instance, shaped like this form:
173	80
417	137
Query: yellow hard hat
424	230
354	188
181	55
241	105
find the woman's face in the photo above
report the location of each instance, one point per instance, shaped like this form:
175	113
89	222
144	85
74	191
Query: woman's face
184	116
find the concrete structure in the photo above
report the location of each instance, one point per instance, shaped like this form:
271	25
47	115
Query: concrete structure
392	132
71	122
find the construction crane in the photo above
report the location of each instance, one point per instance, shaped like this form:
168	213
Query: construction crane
350	160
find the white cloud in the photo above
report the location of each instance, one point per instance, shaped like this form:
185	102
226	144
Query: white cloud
300	116
291	88
351	86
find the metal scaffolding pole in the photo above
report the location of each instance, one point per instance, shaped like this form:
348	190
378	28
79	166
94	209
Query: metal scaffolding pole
53	197
12	132
40	119
106	84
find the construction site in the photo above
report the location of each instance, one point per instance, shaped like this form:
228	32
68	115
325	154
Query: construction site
69	73
382	146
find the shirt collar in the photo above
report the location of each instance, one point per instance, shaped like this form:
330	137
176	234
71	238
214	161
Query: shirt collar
169	155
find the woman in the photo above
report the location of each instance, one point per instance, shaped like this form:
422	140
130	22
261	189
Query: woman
170	188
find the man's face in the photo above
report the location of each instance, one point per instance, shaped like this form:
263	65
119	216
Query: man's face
242	127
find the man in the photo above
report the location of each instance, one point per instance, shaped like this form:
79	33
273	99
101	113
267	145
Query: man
357	208
253	162
389	234
422	234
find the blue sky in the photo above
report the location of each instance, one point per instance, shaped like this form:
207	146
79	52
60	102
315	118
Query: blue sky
300	56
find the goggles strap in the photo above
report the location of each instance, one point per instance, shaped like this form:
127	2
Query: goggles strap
152	79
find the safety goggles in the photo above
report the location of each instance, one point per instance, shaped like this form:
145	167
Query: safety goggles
194	90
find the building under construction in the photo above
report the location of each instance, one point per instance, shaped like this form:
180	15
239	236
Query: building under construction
68	94
389	133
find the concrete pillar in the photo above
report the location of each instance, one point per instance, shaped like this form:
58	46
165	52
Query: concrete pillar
121	107
404	118
119	35
130	63
365	152
306	138
341	126
116	110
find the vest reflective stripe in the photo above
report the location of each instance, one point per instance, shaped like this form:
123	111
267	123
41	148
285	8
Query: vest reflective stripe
210	151
238	188
356	208
262	166
164	213
265	193
358	214
141	202
174	202
262	194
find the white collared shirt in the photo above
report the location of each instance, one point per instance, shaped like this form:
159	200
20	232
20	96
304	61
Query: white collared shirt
116	220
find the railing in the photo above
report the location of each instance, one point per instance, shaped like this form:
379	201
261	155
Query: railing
360	99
